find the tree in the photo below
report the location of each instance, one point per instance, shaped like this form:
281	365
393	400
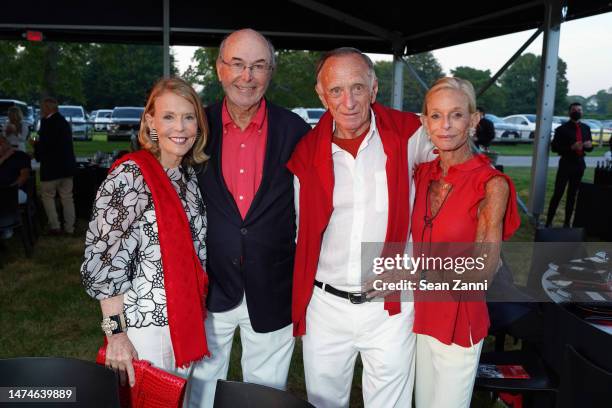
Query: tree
494	98
32	70
293	84
521	85
122	74
424	64
203	74
604	102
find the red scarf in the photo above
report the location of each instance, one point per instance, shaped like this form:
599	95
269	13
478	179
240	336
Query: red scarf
185	281
312	163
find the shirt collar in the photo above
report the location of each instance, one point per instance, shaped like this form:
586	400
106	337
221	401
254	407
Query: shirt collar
366	139
257	120
458	171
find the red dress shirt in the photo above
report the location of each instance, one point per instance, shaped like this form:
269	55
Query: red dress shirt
242	156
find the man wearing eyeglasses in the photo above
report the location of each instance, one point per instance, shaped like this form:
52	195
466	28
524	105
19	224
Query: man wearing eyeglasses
248	194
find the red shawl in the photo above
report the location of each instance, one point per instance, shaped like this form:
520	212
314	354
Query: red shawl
185	281
312	163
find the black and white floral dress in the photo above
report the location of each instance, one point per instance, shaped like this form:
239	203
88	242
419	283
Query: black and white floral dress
122	254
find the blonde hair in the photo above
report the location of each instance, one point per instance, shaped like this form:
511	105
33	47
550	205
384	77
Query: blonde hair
456	84
15	116
181	88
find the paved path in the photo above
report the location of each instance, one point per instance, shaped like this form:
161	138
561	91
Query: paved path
553	161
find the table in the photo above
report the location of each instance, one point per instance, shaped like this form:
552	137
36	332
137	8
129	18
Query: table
593	210
563	325
87	180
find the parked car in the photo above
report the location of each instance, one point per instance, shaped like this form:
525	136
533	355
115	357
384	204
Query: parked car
5	104
599	132
124	123
102	119
75	115
504	132
528	122
310	115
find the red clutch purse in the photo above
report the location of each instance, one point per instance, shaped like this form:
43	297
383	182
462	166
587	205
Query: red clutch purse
153	388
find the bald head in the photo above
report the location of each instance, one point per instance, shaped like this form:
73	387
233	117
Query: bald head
248	35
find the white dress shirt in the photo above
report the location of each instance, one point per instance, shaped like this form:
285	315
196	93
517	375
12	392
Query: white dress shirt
360	206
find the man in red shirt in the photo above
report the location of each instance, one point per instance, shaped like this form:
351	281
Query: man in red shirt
248	193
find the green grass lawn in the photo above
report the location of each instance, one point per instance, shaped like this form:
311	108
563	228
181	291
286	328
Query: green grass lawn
45	311
526	149
98	144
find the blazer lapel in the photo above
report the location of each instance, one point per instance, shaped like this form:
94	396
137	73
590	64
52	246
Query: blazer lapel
215	151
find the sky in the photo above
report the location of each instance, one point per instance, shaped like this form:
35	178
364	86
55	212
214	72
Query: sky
585	45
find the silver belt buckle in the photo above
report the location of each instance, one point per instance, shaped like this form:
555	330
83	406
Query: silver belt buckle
358	298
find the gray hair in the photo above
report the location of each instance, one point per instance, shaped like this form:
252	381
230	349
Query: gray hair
258	34
342	51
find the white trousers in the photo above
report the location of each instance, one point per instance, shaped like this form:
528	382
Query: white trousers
336	330
265	356
153	343
445	374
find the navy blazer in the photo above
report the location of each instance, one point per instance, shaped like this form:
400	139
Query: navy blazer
254	256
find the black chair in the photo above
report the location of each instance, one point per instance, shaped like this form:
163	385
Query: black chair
95	386
231	394
583	384
10	216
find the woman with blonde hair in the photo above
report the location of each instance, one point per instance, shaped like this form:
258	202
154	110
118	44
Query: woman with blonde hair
463	201
17	139
145	246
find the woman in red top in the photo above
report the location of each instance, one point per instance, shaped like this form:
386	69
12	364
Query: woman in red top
460	198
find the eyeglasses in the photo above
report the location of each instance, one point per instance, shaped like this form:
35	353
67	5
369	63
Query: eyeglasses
238	67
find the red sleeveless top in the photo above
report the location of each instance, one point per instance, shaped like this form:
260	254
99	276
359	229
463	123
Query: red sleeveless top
460	322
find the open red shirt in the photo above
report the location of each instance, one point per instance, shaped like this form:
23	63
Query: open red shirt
242	156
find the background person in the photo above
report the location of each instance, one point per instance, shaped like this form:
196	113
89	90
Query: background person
22	131
150	201
55	152
485	131
460	198
248	194
14	170
571	141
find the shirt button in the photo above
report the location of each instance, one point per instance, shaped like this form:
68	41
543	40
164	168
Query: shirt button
242	145
241	171
241	197
243	231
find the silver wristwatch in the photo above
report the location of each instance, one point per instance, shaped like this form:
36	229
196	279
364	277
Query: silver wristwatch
114	324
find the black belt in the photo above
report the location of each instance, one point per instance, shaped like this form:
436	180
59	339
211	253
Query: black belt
356	298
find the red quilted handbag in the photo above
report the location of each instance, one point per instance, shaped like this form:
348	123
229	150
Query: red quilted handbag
154	388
